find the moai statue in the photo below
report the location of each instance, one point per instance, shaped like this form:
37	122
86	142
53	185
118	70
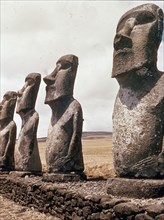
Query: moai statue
26	153
138	117
7	131
63	145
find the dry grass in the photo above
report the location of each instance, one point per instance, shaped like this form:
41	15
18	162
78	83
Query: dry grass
97	152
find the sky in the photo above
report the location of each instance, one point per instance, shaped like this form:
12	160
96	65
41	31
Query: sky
35	34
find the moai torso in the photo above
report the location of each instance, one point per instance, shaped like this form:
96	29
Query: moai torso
138	117
63	145
26	154
7	131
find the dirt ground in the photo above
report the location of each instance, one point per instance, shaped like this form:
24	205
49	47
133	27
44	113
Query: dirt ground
12	211
97	152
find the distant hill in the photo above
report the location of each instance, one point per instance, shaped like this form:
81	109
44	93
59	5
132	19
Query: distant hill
87	135
95	134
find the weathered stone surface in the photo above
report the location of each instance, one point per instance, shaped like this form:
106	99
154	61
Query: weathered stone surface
75	217
63	145
26	153
95	216
86	211
138	117
126	209
110	202
155	209
159	217
7	131
143	216
24	173
135	188
105	216
62	177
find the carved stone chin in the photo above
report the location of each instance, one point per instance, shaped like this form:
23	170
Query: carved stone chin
138	116
7	131
26	153
63	145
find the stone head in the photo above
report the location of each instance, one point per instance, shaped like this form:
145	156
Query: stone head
60	82
138	36
28	94
7	105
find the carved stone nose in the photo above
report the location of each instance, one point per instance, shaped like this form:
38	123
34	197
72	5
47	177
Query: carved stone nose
19	93
122	41
49	80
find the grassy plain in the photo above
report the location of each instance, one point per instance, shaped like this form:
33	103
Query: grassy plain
97	152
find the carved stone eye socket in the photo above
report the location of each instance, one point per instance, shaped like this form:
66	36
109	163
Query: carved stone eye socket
14	96
145	17
65	65
30	81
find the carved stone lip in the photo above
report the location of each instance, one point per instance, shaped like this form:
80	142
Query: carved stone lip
125	50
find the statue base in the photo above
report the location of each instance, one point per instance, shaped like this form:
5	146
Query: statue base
135	188
24	173
63	177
